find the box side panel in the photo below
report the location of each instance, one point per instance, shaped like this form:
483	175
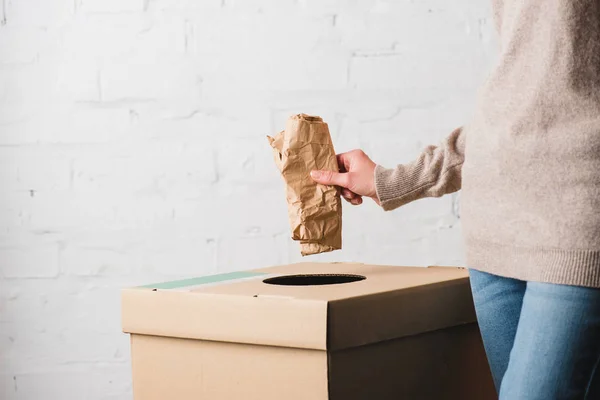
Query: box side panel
447	364
415	310
224	318
183	369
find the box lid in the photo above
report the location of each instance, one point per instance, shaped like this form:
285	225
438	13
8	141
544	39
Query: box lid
285	305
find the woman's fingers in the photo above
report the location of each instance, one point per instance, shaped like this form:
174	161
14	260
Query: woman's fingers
343	162
337	179
356	201
348	194
331	178
351	197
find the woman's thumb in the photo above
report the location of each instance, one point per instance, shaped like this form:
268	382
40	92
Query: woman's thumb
330	178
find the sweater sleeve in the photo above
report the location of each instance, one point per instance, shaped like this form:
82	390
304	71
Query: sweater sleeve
436	172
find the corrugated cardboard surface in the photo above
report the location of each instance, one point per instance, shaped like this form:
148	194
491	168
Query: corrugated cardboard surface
401	333
183	369
447	364
391	302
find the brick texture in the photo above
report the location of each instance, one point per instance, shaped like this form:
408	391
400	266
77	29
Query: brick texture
133	149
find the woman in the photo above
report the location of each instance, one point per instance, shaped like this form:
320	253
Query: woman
528	165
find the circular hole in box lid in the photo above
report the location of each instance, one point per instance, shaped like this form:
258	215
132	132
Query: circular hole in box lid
314	279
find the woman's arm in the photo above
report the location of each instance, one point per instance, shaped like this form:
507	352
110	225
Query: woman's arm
437	171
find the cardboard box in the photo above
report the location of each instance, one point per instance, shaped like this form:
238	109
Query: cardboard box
348	332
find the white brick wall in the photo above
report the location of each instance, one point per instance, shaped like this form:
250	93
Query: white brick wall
132	149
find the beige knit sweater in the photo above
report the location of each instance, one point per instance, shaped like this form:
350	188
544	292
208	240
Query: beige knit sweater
528	163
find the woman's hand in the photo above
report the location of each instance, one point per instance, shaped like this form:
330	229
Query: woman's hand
356	176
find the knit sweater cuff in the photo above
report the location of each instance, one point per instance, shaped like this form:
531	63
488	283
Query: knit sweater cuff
398	186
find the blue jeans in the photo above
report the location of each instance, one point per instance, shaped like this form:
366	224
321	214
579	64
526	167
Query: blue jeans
542	340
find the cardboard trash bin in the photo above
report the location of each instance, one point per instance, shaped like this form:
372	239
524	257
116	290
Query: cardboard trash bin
308	331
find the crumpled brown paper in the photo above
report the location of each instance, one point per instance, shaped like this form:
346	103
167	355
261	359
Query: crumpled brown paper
315	210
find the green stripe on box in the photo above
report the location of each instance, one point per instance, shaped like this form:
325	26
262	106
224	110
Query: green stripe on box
203	280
